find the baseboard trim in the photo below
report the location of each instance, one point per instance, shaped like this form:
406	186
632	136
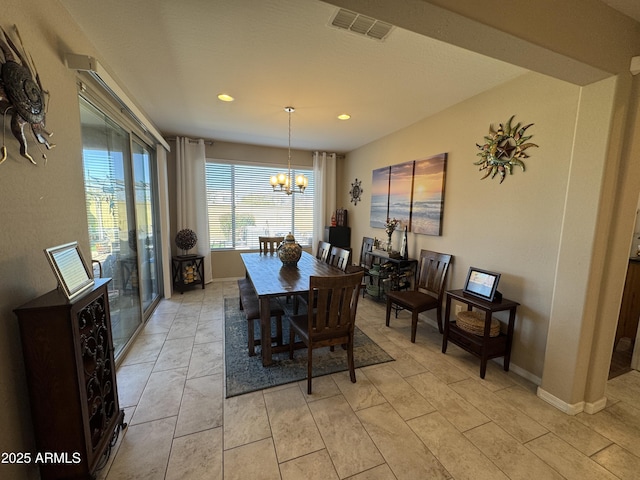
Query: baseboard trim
568	408
595	407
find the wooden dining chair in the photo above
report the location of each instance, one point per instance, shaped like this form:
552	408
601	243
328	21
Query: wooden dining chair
269	244
323	251
333	320
339	257
427	292
366	260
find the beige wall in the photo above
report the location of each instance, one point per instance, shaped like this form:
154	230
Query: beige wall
513	227
40	206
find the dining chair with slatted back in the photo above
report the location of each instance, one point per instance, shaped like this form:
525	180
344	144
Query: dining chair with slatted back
269	244
339	257
427	293
333	320
323	251
366	260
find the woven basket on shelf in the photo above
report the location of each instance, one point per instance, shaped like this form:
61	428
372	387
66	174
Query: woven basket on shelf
473	322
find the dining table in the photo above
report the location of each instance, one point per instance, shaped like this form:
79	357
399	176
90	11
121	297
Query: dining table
270	278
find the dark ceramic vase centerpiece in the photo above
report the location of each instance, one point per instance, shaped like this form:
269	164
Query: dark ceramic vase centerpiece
289	251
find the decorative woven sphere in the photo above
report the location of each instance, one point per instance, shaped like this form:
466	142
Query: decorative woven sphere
186	239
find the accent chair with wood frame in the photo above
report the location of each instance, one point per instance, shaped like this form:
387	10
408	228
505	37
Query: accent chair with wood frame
333	320
427	293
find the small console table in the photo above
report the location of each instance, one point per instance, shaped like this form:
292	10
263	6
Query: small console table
187	272
483	346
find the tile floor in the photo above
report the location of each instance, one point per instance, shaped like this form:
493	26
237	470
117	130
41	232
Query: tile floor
424	416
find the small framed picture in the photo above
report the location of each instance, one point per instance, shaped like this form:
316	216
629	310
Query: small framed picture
74	277
482	284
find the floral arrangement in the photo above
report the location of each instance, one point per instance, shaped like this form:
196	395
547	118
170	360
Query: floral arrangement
186	239
391	225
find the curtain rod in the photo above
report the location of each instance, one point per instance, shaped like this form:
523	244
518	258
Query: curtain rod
191	140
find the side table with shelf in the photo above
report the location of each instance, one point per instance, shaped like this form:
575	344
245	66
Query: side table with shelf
187	272
483	346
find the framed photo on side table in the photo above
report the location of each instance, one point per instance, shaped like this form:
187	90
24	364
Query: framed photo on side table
73	274
482	284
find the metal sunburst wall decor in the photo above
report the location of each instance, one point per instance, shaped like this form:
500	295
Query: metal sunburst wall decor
356	191
504	148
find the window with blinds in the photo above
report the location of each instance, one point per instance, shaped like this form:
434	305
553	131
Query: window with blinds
242	206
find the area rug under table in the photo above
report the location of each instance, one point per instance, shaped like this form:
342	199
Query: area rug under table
246	374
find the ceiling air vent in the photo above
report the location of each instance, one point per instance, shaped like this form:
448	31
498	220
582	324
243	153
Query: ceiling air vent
361	24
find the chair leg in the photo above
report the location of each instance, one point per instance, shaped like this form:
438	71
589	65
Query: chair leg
439	315
350	361
251	338
388	311
414	325
309	367
292	339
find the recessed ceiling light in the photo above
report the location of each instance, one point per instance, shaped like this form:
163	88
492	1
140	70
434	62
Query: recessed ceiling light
344	116
225	98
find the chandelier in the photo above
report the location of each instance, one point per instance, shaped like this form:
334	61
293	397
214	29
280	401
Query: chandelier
283	182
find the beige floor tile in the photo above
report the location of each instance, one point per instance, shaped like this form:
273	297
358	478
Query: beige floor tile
404	452
144	451
453	450
438	364
625	388
174	354
398	392
383	472
245	420
292	425
508	417
352	450
145	349
201	407
568	461
619	461
619	423
196	457
568	428
321	387
447	401
361	394
131	382
161	397
254	460
183	327
206	359
511	456
315	466
209	332
159	323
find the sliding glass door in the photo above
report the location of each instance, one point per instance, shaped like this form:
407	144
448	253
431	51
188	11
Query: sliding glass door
143	181
119	191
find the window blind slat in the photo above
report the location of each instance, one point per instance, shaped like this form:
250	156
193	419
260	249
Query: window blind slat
242	206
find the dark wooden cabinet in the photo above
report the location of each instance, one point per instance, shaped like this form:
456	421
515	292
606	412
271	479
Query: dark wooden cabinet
71	376
338	236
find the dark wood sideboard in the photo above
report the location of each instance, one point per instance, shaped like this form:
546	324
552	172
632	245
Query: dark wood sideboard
71	376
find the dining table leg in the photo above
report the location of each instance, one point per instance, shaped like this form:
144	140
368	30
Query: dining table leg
265	330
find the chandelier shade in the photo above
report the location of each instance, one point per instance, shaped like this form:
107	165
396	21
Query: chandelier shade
284	182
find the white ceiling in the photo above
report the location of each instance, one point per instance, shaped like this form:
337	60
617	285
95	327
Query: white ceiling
175	57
